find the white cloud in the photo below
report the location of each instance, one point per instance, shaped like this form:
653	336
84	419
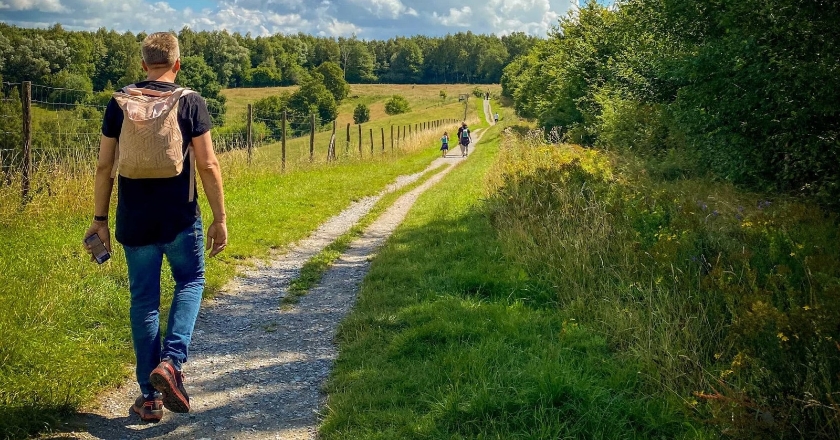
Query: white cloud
335	28
457	17
386	8
36	5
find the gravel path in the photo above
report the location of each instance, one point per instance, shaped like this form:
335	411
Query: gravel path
256	369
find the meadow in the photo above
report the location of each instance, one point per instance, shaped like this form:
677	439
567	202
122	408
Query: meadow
64	319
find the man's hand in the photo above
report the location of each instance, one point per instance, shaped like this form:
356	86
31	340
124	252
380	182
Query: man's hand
101	229
216	238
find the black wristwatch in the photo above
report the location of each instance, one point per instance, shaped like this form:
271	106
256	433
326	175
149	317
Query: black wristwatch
100	218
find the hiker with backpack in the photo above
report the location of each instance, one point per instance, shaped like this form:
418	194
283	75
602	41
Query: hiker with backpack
444	143
464	139
156	136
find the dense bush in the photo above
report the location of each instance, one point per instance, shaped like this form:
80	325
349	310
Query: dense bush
397	104
361	114
269	110
749	86
731	299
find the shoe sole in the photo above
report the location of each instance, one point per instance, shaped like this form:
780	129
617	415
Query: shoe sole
154	418
164	381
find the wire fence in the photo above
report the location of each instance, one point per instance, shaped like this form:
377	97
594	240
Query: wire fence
49	133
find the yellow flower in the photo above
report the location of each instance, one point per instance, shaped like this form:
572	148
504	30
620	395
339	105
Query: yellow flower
782	337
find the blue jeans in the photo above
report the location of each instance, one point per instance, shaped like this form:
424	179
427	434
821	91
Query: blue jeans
185	255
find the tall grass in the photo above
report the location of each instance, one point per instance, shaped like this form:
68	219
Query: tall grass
730	300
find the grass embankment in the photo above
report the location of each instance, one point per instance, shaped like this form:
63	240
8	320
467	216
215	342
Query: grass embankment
727	300
63	318
450	340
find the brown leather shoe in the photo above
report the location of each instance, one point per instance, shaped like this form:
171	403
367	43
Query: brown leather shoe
149	410
170	382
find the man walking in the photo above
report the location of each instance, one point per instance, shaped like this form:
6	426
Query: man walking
157	214
464	139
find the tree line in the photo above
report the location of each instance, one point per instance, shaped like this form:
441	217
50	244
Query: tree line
747	90
104	59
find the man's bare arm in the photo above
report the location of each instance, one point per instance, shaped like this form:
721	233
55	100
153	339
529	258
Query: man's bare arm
102	187
208	169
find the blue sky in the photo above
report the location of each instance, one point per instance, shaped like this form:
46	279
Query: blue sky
377	19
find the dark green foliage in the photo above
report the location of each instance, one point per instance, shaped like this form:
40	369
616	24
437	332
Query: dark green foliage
334	80
750	87
269	110
313	97
263	76
361	114
397	104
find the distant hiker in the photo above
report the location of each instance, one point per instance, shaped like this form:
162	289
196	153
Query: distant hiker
464	136
444	143
152	132
496	118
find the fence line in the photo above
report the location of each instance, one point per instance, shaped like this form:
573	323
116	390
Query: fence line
46	129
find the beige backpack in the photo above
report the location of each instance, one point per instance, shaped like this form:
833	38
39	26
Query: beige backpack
150	144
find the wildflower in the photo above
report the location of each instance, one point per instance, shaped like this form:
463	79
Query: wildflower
782	337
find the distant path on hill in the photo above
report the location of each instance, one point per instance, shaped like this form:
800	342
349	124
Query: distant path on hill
256	369
488	113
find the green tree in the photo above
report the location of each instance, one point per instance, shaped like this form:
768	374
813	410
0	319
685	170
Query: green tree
314	97
397	104
361	114
334	80
406	64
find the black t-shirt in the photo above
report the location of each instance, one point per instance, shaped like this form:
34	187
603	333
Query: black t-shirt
153	211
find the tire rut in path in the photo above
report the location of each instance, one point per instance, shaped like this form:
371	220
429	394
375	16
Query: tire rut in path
256	370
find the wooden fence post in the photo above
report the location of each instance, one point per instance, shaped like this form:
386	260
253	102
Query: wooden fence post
331	148
371	142
249	139
347	146
26	102
283	144
360	140
312	137
392	138
383	138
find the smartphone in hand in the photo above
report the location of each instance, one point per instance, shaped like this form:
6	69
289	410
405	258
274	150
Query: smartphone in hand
100	253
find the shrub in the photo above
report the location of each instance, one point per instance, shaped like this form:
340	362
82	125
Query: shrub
269	110
729	298
396	105
361	114
443	95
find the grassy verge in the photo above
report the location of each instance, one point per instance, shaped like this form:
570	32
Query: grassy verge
313	270
60	314
448	340
729	300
